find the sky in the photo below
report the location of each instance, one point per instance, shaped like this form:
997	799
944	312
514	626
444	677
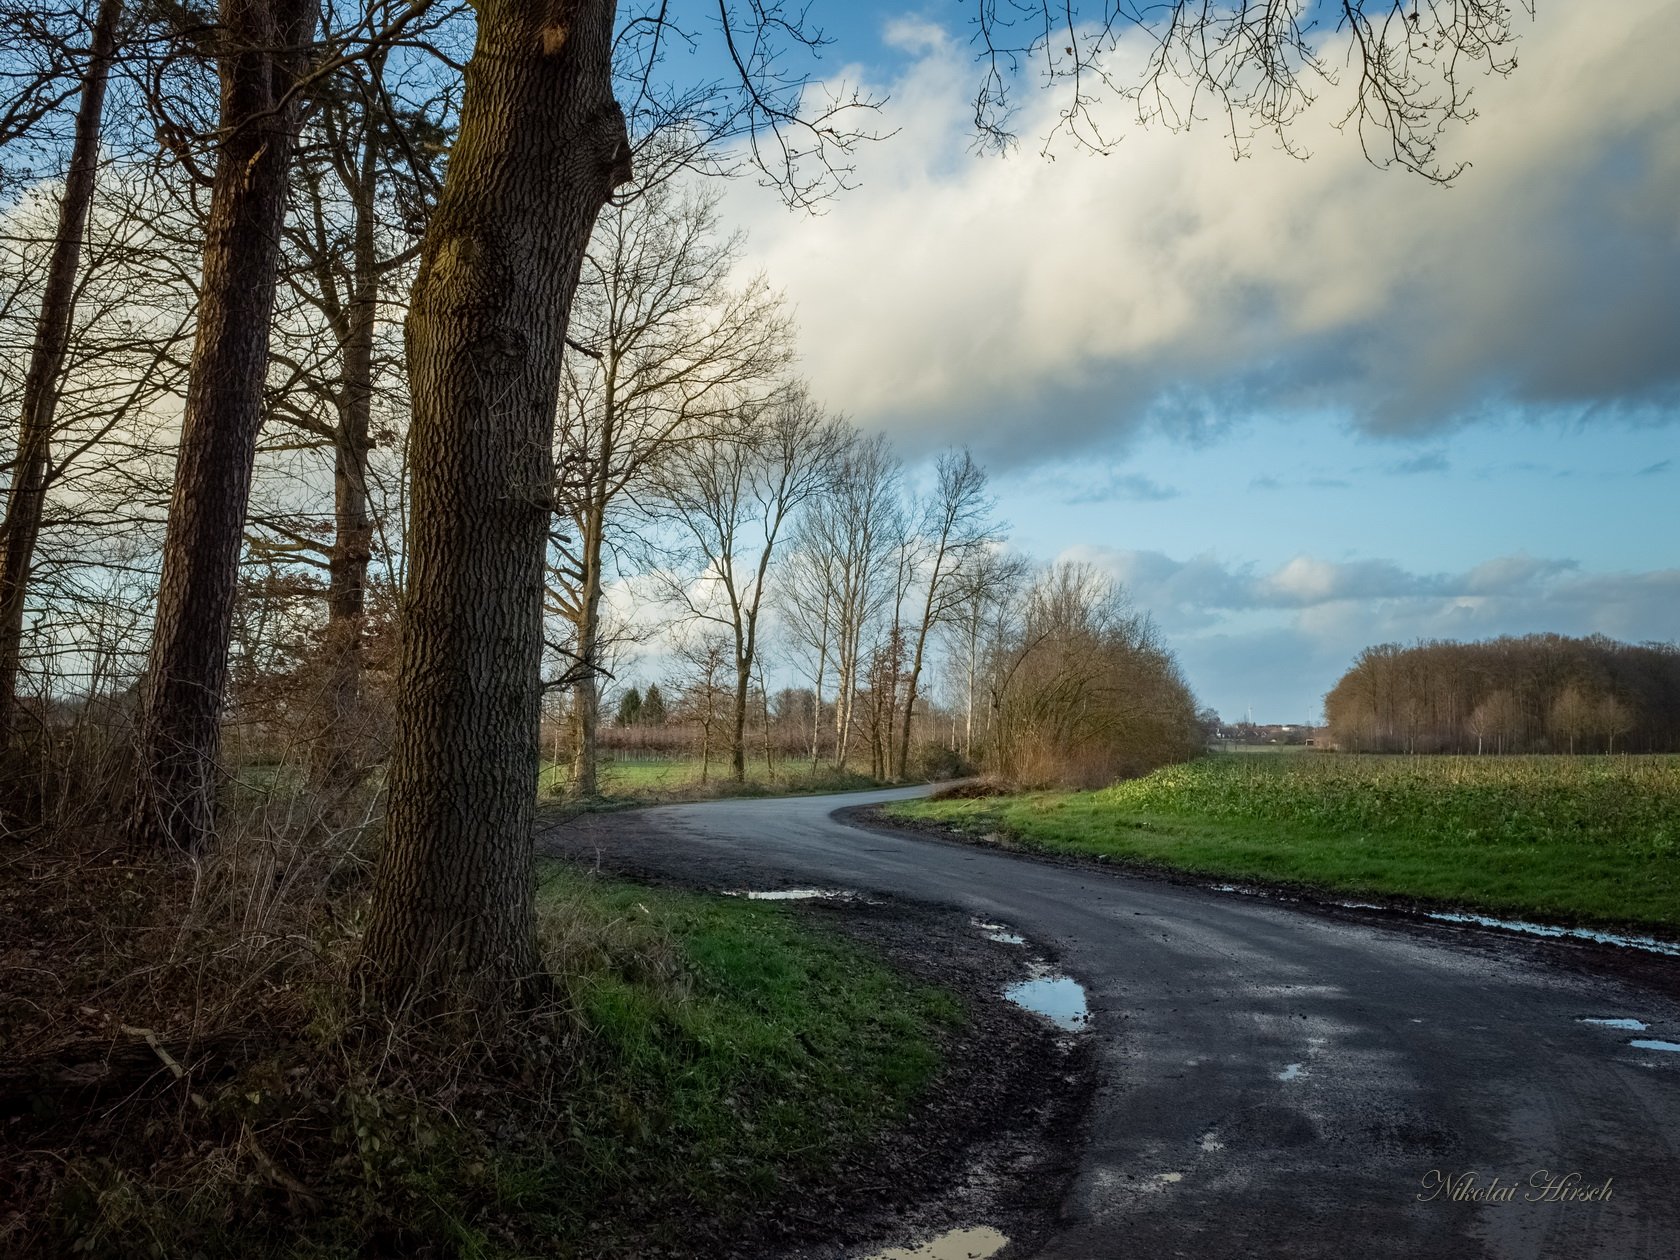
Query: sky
1297	407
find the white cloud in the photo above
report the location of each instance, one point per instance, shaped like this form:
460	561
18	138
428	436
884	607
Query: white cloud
1029	307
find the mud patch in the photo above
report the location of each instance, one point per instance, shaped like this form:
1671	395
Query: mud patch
998	932
979	1243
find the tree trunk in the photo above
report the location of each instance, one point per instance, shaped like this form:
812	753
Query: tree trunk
916	663
27	502
769	762
541	145
843	714
264	51
738	720
822	670
342	747
973	659
586	696
816	713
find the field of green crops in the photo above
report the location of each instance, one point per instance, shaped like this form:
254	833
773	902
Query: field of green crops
1599	800
1575	839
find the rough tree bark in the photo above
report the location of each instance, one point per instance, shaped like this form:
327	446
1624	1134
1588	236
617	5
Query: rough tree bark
263	52
27	501
541	145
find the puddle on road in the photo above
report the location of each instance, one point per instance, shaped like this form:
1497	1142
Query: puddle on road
1640	1043
997	932
1626	1025
1646	943
978	1243
1057	998
795	894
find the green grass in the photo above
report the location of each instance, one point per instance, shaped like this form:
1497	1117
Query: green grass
678	778
732	1049
703	1059
726	1052
1575	839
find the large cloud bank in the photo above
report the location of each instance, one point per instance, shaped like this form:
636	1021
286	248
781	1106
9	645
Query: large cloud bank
1032	307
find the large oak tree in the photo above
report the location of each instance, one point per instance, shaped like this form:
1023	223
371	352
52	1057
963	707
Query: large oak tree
543	143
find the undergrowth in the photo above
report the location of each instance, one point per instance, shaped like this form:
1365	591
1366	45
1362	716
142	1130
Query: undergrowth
192	1071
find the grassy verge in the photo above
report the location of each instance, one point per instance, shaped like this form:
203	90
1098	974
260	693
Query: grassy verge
1574	839
733	1051
176	1085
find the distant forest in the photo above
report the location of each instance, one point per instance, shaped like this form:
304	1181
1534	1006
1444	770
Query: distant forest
1537	693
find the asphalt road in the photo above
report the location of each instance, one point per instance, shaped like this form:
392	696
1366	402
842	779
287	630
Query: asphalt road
1282	1082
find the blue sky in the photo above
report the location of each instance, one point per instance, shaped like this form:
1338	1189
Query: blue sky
1297	407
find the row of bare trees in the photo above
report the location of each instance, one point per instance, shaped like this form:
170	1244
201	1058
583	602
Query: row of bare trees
1536	693
287	295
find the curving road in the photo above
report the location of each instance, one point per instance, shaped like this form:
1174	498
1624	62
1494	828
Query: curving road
1283	1082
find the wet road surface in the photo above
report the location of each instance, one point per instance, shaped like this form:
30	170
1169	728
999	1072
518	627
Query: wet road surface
1277	1082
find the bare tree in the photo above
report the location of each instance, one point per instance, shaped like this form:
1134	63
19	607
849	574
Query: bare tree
805	601
661	343
1571	715
41	69
702	697
542	143
1086	693
731	499
1611	718
851	533
26	501
363	180
1499	718
261	59
955	529
1255	67
982	592
96	499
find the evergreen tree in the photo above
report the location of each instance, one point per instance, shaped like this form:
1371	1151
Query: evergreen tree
653	707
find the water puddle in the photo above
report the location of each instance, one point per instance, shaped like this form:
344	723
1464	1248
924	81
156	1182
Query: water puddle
1626	1025
977	1243
1649	944
1640	1043
795	894
998	932
1057	998
1646	943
